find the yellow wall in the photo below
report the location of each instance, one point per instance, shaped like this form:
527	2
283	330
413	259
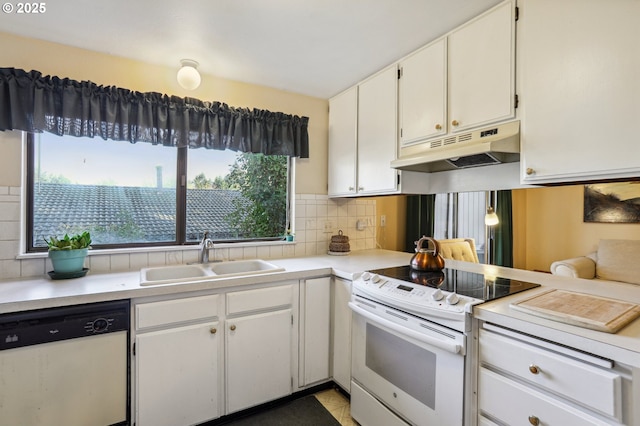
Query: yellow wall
555	228
391	236
103	69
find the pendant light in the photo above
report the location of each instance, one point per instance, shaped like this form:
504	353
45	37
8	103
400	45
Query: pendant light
491	218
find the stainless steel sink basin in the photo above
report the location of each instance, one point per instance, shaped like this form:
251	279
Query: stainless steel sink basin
205	272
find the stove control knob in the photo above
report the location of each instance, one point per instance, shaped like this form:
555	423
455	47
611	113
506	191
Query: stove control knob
375	278
452	299
366	276
437	295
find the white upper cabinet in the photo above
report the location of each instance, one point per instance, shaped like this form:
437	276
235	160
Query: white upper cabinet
378	133
459	82
423	94
481	69
363	134
343	116
579	74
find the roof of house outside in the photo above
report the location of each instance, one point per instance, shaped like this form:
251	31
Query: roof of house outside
115	214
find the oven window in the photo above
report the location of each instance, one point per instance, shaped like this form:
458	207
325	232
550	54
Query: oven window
403	364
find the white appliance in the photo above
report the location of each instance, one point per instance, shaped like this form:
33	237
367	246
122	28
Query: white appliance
482	147
410	336
65	366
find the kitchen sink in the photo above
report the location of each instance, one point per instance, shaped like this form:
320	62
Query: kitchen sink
205	271
241	267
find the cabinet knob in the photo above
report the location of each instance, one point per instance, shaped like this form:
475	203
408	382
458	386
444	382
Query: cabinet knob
213	330
455	123
232	327
351	188
438	127
534	420
534	369
360	188
530	171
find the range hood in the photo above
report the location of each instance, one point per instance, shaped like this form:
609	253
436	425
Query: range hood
482	147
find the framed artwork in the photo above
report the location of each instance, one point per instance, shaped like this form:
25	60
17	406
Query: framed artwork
617	202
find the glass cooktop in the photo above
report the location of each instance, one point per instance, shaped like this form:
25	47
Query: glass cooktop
464	283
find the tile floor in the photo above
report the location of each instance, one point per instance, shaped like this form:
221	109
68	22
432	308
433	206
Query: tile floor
337	404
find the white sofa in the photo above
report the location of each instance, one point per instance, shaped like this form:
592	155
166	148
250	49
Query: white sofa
615	260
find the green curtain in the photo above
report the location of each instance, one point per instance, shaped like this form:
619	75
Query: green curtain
504	230
420	219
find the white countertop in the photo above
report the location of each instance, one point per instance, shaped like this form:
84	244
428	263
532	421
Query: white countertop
42	292
624	346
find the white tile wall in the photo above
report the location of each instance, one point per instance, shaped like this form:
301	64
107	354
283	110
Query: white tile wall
317	218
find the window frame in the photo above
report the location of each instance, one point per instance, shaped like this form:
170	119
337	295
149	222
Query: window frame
181	205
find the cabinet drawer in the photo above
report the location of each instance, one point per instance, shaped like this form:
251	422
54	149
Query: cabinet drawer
174	311
259	299
579	381
516	404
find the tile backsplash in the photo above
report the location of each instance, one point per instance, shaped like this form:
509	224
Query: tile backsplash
316	219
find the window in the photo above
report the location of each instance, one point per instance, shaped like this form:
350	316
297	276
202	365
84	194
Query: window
129	195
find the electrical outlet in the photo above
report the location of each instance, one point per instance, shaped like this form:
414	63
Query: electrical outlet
328	226
383	220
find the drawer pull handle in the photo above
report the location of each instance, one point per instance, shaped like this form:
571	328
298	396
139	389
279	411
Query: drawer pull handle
232	328
534	420
213	330
534	369
438	127
455	123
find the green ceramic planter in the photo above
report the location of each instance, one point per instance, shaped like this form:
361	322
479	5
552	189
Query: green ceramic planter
66	261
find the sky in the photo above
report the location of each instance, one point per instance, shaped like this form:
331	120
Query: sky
94	161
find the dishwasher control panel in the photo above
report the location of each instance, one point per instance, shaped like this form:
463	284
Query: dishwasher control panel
55	324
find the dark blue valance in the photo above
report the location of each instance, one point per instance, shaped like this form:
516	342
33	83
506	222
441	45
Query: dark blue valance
32	102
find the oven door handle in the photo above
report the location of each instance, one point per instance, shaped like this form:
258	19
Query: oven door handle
433	341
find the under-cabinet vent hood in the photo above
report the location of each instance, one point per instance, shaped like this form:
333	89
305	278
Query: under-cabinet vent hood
491	145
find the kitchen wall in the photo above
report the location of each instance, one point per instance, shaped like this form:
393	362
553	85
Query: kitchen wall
317	217
79	64
547	226
554	227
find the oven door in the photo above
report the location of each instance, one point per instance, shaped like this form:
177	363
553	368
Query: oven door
414	367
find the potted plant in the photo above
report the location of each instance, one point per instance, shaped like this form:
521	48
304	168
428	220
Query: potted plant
67	254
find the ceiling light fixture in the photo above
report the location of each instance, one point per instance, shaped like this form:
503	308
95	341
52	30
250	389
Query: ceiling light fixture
188	75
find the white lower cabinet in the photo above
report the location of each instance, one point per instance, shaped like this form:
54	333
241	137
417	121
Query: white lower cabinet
258	358
524	380
198	357
315	311
341	332
259	329
178	361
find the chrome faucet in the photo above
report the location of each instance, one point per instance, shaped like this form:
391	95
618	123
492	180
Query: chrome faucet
205	245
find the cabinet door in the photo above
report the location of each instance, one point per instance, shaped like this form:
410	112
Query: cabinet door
377	133
580	88
342	333
317	325
481	70
258	360
343	110
422	94
177	376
